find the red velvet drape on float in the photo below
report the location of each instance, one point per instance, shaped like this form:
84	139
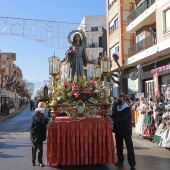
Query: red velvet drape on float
80	142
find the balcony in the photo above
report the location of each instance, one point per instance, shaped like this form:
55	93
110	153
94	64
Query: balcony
92	28
141	45
155	52
139	10
93	45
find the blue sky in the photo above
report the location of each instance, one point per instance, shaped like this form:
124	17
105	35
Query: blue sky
31	56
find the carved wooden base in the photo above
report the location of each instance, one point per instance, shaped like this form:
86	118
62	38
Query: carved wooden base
80	111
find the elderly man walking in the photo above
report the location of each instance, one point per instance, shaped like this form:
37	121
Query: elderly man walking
38	133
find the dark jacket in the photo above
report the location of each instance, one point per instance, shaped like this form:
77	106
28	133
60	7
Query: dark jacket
38	127
161	108
114	109
122	121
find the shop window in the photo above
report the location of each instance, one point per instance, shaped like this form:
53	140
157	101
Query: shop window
166	79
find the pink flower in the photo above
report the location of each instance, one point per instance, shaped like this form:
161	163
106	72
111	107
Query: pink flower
74	87
92	82
77	95
87	91
72	92
80	86
71	84
65	85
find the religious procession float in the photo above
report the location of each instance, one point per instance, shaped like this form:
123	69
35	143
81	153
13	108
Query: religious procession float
84	135
77	97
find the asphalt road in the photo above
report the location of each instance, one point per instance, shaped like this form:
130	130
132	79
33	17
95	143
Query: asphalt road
15	149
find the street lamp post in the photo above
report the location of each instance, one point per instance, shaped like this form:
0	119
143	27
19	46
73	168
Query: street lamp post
54	71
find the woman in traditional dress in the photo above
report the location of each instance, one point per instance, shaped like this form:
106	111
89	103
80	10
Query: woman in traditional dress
77	57
160	134
165	138
141	111
148	124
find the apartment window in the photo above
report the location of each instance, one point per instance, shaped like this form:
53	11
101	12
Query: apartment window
114	49
167	21
113	24
140	41
117	50
94	28
111	2
116	23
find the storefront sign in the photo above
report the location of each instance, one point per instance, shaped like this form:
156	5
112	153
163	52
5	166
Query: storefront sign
133	75
160	69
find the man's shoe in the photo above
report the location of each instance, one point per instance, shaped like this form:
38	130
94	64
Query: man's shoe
41	164
33	163
133	168
119	163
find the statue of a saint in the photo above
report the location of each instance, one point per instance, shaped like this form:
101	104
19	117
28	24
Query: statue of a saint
77	57
45	90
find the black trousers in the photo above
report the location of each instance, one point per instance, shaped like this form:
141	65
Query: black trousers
37	145
129	146
31	107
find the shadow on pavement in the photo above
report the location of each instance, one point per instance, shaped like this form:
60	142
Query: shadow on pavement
10	145
9	156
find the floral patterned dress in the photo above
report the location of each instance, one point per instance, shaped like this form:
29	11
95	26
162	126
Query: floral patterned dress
148	124
158	133
165	138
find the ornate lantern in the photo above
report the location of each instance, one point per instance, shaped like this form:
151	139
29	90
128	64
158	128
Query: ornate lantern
96	72
105	65
54	65
105	70
54	71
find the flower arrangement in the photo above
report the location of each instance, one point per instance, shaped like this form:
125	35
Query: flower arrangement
89	91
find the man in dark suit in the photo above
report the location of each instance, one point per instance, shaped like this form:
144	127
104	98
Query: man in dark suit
123	130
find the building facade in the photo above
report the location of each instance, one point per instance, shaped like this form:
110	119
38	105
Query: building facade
143	35
119	40
95	31
12	88
150	51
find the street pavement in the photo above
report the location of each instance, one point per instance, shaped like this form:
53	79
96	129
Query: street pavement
15	149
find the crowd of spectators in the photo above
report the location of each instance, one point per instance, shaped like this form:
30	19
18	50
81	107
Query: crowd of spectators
150	117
